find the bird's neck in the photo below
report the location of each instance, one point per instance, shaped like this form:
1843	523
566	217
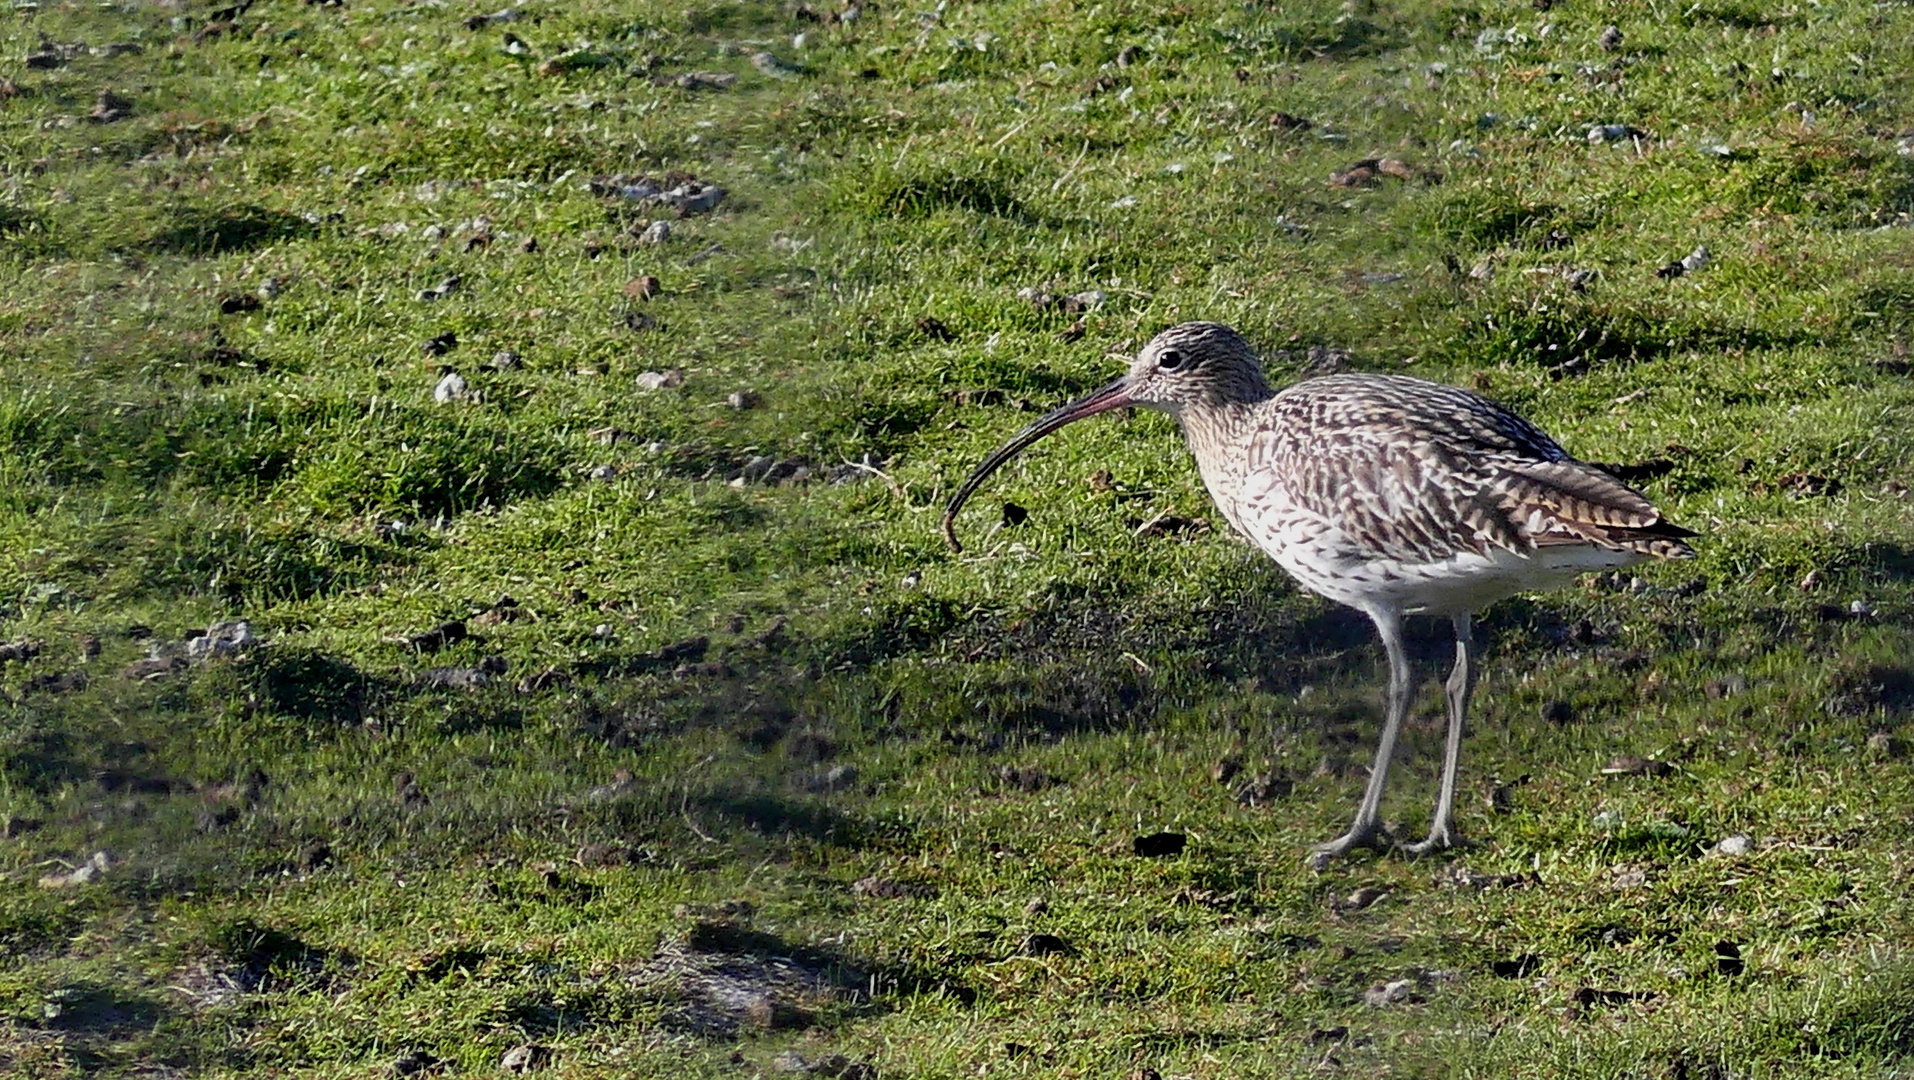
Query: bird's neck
1214	428
1218	436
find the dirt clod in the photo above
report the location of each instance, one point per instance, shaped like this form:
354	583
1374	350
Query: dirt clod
1159	845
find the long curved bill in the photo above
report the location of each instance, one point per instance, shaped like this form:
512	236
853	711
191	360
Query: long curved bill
1114	396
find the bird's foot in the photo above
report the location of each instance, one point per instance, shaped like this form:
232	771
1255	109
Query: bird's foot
1368	836
1441	838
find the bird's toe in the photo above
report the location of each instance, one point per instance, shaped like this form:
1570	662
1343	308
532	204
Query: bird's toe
1441	839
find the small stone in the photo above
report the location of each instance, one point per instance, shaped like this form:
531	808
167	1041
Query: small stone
622	784
1262	790
1078	303
19	651
1040	299
437	638
838	778
1362	898
1634	765
1399	992
442	290
1045	945
452	387
643	288
223	638
1695	260
1610	38
1036	906
1736	844
1159	845
743	399
655	233
527	1058
605	474
94	868
769	64
110	108
506	360
882	888
661	380
791	1062
1025	778
455	678
1558	712
415	1062
1726	687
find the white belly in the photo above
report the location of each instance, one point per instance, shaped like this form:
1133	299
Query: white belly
1457	585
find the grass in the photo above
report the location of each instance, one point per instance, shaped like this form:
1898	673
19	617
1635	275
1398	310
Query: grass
622	817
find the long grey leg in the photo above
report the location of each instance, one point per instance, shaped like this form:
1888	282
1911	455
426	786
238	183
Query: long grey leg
1459	685
1365	831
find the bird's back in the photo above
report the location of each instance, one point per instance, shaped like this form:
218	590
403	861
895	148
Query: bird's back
1366	485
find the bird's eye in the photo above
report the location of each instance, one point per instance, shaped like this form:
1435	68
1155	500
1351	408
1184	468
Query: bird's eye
1170	360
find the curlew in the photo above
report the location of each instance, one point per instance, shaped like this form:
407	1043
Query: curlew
1392	495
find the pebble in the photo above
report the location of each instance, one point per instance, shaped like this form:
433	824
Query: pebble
1736	844
1558	712
661	380
506	360
452	387
1263	789
1726	687
414	1062
1633	765
743	399
1078	303
1610	38
768	63
1045	945
529	1057
455	678
1363	898
1391	993
837	778
655	233
1159	845
91	870
442	290
110	108
221	639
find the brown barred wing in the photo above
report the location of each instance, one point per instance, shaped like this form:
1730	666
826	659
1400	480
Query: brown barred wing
1571	502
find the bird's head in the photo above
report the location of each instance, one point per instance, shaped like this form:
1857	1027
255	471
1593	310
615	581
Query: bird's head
1190	366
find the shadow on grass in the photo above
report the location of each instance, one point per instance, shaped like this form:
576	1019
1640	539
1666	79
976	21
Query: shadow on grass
204	230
